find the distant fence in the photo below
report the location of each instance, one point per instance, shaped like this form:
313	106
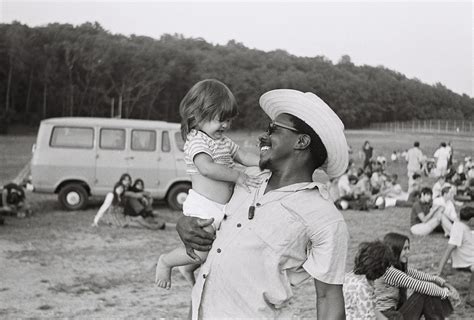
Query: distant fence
434	125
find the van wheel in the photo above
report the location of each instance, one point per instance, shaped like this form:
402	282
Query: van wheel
177	195
73	196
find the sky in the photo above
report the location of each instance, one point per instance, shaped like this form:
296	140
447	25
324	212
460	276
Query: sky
428	40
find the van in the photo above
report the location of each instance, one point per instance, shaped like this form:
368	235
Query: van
81	157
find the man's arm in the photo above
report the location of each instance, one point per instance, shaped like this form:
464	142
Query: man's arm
445	258
193	236
329	301
424	218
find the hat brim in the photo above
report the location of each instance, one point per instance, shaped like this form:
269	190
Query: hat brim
319	116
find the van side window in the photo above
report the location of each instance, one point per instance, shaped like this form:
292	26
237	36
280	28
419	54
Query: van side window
112	139
165	142
143	140
179	141
72	137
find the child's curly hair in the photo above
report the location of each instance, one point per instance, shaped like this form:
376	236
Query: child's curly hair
373	259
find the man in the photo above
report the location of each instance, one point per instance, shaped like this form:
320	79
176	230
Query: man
425	217
285	231
415	159
442	157
461	250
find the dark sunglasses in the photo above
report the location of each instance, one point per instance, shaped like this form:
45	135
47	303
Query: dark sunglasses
272	126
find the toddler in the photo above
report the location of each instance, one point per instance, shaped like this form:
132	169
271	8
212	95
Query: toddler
206	112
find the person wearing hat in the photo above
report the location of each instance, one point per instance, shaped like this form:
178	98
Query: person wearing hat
283	232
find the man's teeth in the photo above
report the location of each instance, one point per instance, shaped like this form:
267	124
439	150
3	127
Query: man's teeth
264	148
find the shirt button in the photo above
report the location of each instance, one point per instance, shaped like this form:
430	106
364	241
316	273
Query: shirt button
225	217
258	204
238	225
204	276
219	250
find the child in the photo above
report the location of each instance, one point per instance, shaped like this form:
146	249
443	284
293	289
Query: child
206	112
371	262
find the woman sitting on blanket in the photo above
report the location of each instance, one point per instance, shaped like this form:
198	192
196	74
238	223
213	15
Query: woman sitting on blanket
112	212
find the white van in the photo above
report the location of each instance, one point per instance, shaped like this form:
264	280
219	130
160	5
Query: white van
81	157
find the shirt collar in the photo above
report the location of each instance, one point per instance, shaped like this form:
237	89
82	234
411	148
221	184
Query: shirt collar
321	187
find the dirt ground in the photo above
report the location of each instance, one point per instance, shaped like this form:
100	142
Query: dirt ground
55	265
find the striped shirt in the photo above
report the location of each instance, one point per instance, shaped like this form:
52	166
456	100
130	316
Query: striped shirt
387	286
222	151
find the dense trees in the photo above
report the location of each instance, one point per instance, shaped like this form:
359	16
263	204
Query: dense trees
65	70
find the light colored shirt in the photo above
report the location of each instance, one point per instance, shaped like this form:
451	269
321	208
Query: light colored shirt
442	155
344	186
462	237
414	157
449	208
296	234
359	297
222	151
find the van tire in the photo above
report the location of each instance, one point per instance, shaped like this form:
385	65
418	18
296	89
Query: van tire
177	195
73	196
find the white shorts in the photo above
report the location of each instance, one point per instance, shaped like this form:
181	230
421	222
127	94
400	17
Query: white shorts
196	205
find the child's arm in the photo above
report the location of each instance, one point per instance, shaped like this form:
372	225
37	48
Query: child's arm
107	202
248	159
212	170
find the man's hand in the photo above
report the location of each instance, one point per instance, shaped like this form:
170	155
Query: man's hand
194	237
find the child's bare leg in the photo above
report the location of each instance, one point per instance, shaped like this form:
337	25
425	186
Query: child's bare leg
174	258
188	270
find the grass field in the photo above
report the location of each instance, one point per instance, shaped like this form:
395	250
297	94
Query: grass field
54	265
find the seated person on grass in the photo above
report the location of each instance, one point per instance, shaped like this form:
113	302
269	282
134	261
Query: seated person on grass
403	199
442	212
13	200
461	251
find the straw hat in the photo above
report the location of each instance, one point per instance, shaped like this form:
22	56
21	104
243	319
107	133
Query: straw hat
319	116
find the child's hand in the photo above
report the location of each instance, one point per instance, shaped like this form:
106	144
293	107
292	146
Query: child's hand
247	181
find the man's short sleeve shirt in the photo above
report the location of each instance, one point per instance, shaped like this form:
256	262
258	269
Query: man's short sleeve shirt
296	233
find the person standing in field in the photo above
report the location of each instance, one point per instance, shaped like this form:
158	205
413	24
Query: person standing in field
206	112
415	160
368	153
442	155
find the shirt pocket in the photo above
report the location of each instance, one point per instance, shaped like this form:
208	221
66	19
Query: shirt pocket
277	227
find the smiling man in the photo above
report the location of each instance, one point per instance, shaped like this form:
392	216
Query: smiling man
284	232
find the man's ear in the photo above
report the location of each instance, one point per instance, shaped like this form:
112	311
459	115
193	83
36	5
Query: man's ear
303	142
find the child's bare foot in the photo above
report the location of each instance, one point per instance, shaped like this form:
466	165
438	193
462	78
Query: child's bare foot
188	273
163	273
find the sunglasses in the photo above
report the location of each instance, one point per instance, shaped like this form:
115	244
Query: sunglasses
272	126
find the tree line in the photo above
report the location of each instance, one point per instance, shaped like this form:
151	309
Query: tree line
65	70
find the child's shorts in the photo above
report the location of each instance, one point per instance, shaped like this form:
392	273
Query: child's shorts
196	205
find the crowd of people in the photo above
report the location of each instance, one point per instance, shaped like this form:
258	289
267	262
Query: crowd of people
255	232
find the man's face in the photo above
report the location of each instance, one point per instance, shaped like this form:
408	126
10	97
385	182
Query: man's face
425	197
276	145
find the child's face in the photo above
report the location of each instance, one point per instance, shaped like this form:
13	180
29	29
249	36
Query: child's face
215	128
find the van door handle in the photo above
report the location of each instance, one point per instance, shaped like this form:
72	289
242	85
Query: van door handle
179	160
129	158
